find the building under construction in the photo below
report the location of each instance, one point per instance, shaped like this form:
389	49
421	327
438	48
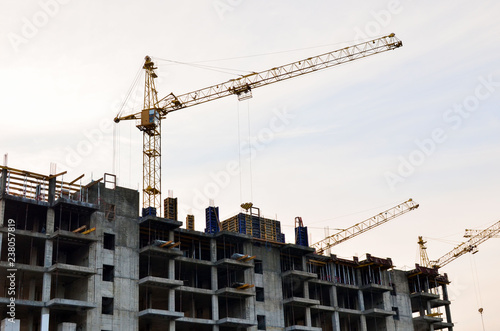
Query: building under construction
83	258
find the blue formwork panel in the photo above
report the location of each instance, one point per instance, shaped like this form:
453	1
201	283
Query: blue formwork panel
301	237
211	217
148	211
255	227
242	224
280	237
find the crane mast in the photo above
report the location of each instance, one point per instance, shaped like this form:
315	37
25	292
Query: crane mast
469	246
156	109
364	226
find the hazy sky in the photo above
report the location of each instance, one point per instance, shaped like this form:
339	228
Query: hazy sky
334	147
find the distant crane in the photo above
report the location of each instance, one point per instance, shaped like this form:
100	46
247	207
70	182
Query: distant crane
364	226
469	246
154	110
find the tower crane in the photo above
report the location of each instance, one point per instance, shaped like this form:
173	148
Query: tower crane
364	226
155	109
469	246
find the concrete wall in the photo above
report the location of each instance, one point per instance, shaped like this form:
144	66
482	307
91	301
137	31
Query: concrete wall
270	280
402	301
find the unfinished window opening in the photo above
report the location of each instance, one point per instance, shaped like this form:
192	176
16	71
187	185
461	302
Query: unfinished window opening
295	315
350	322
347	298
232	307
320	292
26	216
153	298
68	287
259	294
226	249
230	278
109	241
373	300
33	252
258	266
70	252
293	288
69	218
195	248
322	320
156	266
261	322
194	305
108	273
194	275
107	306
376	323
291	262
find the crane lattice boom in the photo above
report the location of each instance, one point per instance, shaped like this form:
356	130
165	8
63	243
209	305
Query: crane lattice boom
468	246
156	109
364	226
473	232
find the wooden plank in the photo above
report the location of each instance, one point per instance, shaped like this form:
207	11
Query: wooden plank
167	243
83	227
89	231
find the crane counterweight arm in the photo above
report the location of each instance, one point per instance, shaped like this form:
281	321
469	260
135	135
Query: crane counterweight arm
243	86
467	246
364	226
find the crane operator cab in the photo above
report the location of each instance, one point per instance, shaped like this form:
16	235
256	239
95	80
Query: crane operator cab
150	119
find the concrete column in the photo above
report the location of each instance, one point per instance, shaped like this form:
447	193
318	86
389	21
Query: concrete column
46	285
336	321
446	307
2	212
3	182
306	296
361	303
51	215
308	317
52	190
333	296
213	250
171	300
215	299
45	319
362	320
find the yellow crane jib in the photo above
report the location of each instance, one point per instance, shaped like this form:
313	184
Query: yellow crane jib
154	109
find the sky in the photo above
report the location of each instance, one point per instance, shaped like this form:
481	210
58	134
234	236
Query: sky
334	147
